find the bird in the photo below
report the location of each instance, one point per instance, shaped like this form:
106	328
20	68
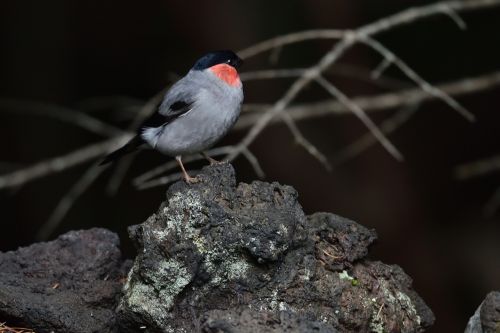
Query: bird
196	112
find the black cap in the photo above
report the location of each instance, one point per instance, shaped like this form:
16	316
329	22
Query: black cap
218	57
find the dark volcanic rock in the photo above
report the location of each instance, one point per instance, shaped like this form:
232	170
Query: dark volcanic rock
487	316
67	285
221	257
245	320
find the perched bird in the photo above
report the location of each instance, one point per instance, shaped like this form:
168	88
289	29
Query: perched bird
196	112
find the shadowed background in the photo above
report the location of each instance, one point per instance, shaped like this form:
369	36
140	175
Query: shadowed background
110	54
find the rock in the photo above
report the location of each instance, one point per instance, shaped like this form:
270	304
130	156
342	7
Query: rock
486	319
225	257
71	284
245	320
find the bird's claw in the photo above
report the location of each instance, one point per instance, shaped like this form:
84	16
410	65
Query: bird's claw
215	162
191	180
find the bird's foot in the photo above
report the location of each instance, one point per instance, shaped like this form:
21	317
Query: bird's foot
214	161
191	180
211	160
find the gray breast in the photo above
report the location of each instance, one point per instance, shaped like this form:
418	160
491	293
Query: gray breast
216	109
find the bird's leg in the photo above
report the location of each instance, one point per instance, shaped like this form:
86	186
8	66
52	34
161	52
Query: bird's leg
211	160
187	177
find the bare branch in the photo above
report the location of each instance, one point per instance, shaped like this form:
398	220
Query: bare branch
124	164
139	181
60	163
345	70
381	68
478	168
294	90
60	113
296	37
170	165
301	140
109	103
148	108
254	162
260	121
358	112
493	204
272	74
377	103
424	85
68	200
449	8
417	13
119	174
275	55
368	103
455	17
368	140
173	177
348	39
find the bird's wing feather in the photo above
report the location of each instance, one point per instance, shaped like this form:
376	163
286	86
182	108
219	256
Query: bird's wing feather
158	119
177	102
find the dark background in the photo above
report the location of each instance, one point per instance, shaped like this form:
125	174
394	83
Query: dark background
69	52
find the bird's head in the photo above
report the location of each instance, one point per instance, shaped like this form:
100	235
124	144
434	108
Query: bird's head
223	64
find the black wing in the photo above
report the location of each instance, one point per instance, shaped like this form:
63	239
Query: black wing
157	119
175	110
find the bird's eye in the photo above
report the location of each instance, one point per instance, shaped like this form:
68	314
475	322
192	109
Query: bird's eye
228	61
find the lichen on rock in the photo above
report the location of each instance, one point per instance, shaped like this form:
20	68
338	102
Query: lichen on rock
221	256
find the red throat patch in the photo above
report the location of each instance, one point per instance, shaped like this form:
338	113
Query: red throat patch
227	74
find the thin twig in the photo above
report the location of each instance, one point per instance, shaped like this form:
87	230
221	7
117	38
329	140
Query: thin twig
170	165
380	102
292	92
478	168
348	39
381	68
254	162
165	180
377	103
124	164
119	173
493	204
344	70
94	104
68	200
366	141
272	74
296	37
302	141
146	177
275	55
60	113
361	114
455	17
423	84
60	163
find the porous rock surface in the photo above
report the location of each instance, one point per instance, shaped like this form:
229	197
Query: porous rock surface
486	319
225	257
71	284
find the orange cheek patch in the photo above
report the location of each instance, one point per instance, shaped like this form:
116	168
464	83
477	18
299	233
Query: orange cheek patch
226	73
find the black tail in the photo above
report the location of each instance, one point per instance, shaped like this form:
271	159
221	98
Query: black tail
128	148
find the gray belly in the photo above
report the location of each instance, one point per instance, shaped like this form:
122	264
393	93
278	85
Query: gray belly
197	131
